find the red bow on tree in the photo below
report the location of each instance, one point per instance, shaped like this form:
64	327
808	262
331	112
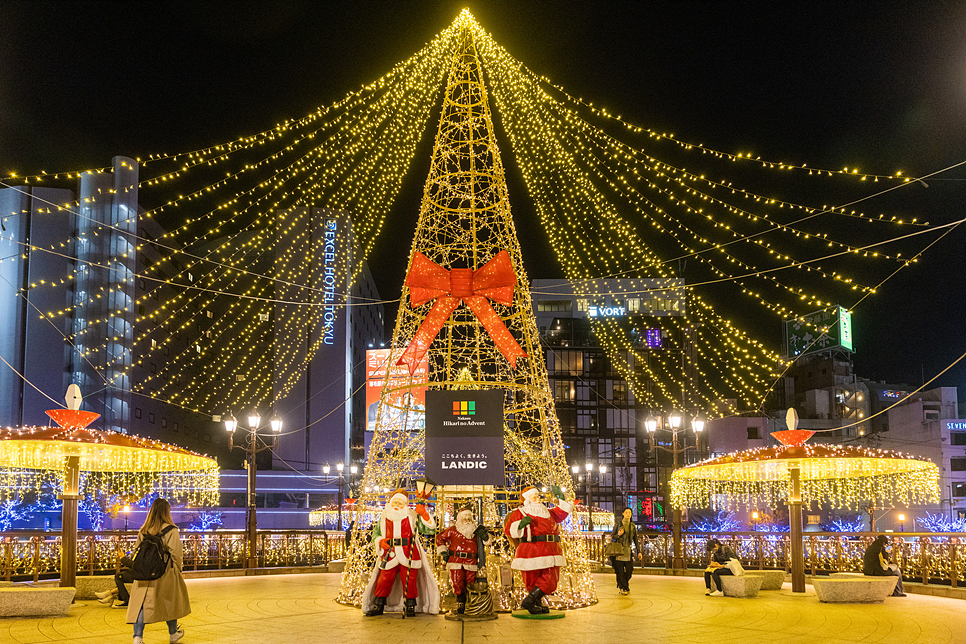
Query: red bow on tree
427	280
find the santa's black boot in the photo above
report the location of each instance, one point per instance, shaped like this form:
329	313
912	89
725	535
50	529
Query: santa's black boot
532	603
461	603
378	604
410	608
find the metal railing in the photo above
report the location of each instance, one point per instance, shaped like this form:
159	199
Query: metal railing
927	557
35	555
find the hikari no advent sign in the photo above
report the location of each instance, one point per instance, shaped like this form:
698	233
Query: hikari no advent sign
464	437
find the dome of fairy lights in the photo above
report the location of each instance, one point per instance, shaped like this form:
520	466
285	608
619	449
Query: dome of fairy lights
841	476
44	448
30	456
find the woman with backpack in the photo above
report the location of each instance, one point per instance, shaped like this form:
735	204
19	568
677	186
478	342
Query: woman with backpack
164	599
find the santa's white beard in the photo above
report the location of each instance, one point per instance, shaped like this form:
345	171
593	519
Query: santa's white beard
466	527
536	509
391	514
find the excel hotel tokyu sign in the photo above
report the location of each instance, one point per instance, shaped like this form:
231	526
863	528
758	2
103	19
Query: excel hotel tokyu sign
464	437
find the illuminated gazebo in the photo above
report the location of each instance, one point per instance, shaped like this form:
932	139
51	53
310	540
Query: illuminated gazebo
839	476
120	461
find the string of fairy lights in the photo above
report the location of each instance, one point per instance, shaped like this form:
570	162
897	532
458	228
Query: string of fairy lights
232	278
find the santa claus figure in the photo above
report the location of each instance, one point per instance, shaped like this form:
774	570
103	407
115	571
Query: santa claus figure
538	556
459	547
401	569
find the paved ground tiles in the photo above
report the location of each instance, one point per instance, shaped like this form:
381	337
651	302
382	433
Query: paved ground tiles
299	609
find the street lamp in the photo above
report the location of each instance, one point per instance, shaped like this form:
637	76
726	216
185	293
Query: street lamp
127	512
340	468
588	482
252	445
902	522
675	423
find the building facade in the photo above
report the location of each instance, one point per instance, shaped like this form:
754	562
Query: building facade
601	419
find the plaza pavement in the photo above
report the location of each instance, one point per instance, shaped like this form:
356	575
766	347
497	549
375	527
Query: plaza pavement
300	609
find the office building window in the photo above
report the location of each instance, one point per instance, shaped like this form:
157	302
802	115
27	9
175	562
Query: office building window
957	464
957	438
959	490
563	391
620	393
568	362
754	433
561	306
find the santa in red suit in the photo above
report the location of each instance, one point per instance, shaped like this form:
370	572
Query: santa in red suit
401	569
538	556
459	547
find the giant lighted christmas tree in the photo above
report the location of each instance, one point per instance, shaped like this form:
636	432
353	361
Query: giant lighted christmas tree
488	341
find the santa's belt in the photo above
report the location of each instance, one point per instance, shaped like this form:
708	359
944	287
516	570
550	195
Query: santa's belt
400	542
462	555
552	538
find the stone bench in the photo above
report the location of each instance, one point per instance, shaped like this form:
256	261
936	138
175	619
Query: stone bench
854	589
89	584
31	602
772	579
744	586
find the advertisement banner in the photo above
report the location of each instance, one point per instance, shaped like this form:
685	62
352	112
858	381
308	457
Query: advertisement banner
464	437
406	397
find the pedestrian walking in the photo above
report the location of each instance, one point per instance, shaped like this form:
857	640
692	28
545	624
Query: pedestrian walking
625	534
164	599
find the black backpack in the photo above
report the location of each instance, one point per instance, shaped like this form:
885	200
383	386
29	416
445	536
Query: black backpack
151	558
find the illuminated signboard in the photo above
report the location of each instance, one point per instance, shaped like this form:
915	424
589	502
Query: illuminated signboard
652	338
606	311
888	393
819	331
329	279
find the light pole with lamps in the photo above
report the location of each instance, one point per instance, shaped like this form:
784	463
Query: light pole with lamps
902	522
127	513
675	425
588	481
340	468
252	446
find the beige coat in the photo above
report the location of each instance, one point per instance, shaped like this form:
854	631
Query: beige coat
166	598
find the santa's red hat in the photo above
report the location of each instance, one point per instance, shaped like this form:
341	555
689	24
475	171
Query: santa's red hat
528	494
401	492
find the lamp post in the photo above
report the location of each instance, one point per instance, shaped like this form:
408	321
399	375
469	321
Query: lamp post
674	423
902	522
253	445
340	468
127	512
588	481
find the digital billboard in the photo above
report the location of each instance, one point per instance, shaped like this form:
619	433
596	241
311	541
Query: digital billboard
406	395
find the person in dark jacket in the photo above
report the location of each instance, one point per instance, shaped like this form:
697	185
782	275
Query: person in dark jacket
625	533
719	556
875	563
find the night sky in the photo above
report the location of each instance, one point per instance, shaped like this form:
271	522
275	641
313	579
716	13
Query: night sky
875	85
